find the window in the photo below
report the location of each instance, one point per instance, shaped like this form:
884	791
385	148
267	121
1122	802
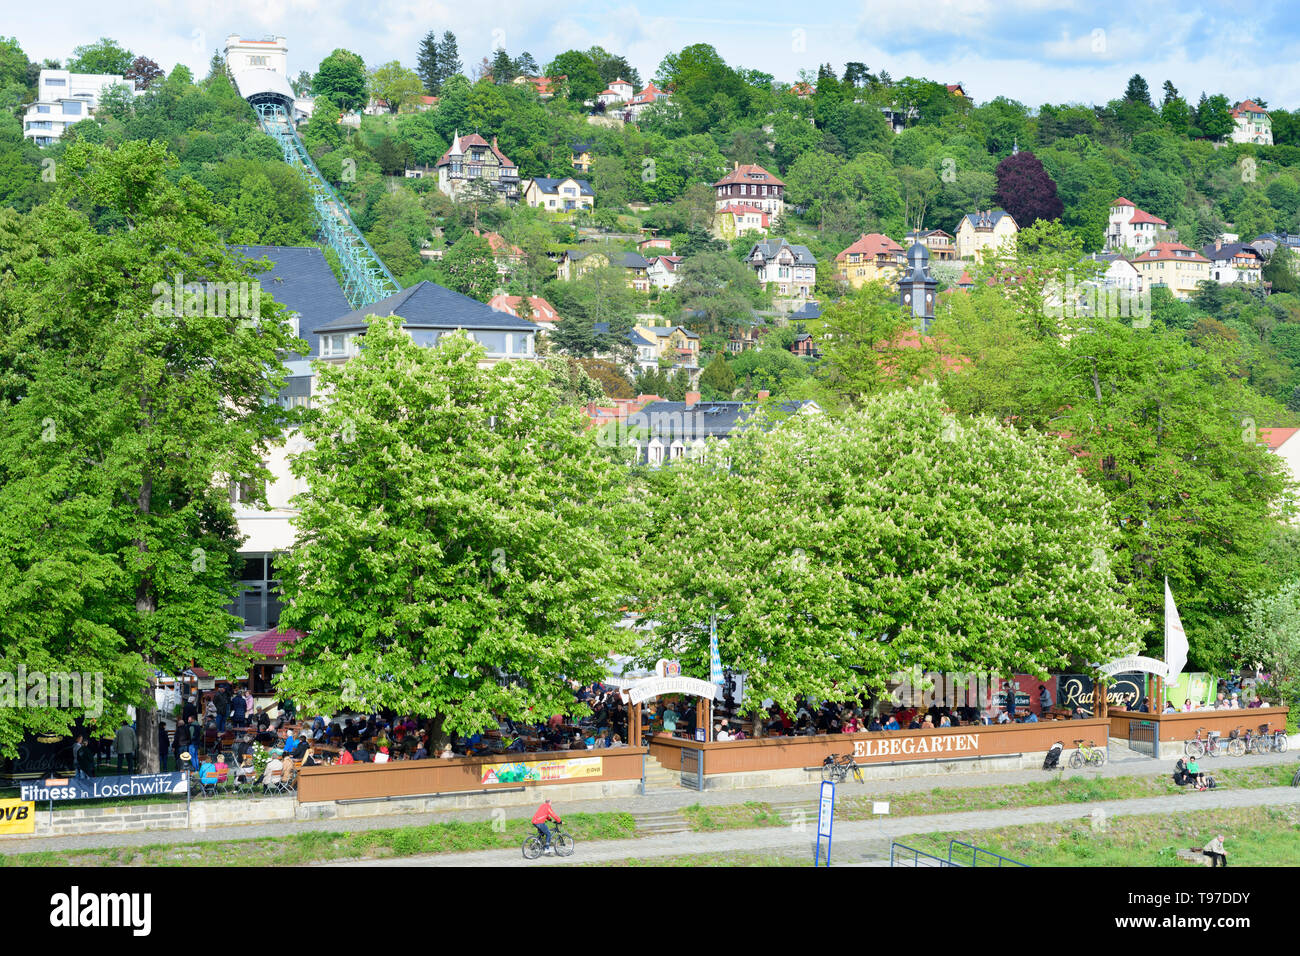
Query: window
337	345
425	337
71	109
42	109
52	81
494	342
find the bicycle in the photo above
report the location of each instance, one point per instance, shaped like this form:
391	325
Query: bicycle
1270	741
1198	747
836	768
560	841
1092	755
1235	745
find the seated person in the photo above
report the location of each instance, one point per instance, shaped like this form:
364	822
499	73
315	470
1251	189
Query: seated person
223	768
875	726
1003	717
1029	718
892	723
1194	773
345	756
382	756
208	771
945	721
274	768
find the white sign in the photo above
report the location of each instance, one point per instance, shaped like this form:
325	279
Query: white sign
657	686
879	808
827	810
1137	663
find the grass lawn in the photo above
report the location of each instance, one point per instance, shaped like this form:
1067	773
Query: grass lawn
713	859
303	848
1056	790
1253	836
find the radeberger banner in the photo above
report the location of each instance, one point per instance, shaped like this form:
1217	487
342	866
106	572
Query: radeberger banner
543	771
1123	691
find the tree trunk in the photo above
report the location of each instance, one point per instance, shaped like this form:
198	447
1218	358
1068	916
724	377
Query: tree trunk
146	603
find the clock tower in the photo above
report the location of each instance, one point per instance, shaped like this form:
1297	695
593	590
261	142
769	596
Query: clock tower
916	289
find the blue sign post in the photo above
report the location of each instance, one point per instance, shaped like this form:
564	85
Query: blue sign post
825	821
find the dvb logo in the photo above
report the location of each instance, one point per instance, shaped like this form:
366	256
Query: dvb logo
8	814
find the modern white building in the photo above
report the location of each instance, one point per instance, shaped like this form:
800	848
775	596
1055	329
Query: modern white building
64	98
261	70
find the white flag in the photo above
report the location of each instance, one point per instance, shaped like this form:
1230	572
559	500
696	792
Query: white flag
1175	636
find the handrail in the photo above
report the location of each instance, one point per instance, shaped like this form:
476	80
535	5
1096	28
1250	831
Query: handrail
916	856
976	851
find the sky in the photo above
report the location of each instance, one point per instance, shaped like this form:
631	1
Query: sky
1034	51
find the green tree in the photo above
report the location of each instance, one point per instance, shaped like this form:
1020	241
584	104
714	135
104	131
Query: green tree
427	64
102	56
836	552
469	268
456	542
723	291
870	345
121	432
342	79
717	381
1272	639
395	84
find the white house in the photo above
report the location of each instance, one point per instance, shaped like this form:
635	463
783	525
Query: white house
64	98
1285	443
1131	227
1120	273
1234	262
1252	124
663	271
620	91
792	269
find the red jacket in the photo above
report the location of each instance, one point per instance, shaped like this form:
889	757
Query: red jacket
544	814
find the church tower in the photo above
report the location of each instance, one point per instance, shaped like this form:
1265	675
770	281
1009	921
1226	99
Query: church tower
916	288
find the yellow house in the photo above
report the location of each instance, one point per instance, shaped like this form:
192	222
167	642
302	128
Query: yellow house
1173	265
559	195
978	231
873	256
574	263
580	156
673	342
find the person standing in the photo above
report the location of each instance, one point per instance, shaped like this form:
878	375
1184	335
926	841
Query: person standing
221	704
124	744
181	741
78	746
1214	850
162	747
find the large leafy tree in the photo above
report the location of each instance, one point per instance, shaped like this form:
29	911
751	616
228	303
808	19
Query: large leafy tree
1026	189
128	412
102	56
468	267
342	79
395	84
454	557
1272	638
870	345
722	291
835	552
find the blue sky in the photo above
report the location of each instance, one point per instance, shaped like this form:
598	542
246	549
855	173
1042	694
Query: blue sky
1032	50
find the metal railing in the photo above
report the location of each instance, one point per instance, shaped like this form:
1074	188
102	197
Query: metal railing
976	853
692	767
365	277
902	855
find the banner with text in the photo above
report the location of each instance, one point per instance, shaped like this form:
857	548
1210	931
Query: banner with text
1123	691
543	771
106	788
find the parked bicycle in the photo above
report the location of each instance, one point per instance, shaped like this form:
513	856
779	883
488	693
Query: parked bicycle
1270	741
561	841
1208	745
1092	755
836	768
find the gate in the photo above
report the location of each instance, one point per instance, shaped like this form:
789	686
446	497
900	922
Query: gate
692	768
1142	736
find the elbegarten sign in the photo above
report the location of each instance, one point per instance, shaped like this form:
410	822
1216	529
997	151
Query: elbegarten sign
906	746
104	788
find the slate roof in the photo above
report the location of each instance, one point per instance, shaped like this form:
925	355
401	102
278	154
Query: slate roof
668	420
548	185
431	306
631	260
986	219
300	280
771	248
809	310
1228	250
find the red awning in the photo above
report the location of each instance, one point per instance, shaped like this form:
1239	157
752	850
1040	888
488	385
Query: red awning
267	643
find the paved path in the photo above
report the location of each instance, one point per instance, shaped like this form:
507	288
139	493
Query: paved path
1123	763
855	841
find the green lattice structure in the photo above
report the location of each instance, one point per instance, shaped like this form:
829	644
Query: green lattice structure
365	277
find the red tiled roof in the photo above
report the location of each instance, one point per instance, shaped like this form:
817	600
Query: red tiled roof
539	309
1141	215
1163	251
871	244
965	279
497	243
1121	201
742	174
267	643
1248	106
474	139
1275	438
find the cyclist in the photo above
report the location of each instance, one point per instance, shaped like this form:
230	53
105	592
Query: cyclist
540	818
